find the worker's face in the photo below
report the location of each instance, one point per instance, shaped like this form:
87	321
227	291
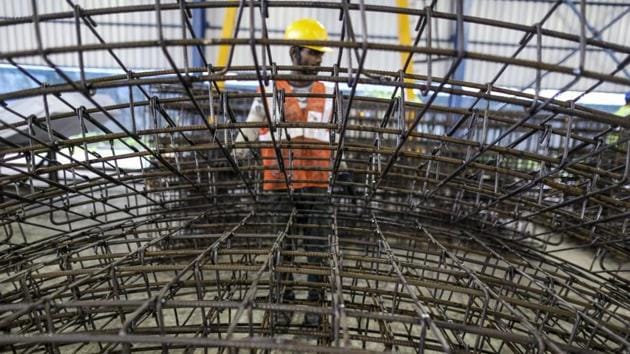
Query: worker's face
307	57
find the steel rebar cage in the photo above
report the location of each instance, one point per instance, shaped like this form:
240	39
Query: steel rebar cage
131	224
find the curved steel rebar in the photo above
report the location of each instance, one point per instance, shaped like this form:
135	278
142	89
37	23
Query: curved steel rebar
143	232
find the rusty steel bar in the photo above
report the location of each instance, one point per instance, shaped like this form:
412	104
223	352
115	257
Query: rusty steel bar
500	225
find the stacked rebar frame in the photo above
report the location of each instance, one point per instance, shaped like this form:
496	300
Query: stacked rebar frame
446	240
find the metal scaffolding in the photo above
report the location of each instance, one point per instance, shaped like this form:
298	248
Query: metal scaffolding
144	231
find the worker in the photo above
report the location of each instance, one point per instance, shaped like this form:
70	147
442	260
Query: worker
623	111
307	169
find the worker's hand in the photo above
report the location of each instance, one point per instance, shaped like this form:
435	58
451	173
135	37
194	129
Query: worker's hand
351	191
347	179
220	163
243	154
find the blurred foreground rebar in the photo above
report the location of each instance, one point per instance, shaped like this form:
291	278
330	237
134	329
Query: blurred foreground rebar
129	224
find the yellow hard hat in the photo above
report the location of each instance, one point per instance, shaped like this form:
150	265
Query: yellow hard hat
308	29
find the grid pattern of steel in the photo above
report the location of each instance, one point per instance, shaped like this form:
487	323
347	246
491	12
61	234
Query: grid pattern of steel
143	231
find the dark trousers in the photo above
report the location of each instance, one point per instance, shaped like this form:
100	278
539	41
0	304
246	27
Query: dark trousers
314	219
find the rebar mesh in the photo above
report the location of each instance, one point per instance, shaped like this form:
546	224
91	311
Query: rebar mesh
150	234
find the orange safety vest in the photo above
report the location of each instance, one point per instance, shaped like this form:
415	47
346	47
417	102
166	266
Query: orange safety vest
300	167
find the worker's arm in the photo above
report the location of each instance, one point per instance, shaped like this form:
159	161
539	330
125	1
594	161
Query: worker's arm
344	175
256	115
343	166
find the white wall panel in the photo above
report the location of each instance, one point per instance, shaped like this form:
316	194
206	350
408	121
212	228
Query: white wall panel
383	28
115	28
554	51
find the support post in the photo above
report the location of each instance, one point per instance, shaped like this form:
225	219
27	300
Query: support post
404	37
199	27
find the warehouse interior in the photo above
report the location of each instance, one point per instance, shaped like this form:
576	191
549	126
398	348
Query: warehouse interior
473	162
